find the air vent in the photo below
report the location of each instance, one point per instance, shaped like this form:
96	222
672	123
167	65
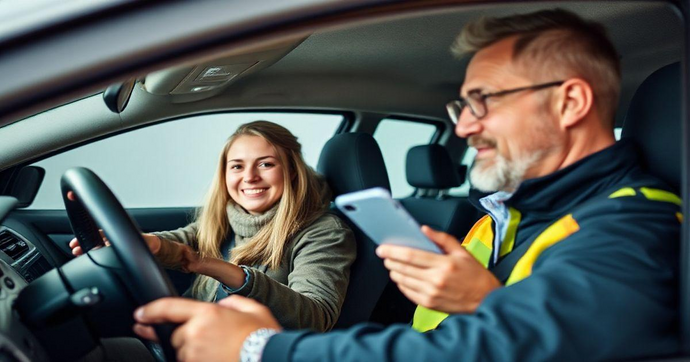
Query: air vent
12	245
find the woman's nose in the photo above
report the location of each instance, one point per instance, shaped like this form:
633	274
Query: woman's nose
250	175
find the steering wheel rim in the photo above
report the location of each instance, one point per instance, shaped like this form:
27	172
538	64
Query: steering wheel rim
95	204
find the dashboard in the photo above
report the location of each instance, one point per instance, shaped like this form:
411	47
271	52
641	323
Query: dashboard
20	263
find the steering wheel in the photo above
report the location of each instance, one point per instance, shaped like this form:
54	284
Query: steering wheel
96	205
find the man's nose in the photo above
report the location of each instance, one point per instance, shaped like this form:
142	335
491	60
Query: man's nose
468	124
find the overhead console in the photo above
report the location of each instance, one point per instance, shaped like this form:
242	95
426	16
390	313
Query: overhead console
205	79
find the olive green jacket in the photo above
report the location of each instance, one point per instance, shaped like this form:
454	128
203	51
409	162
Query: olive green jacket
308	289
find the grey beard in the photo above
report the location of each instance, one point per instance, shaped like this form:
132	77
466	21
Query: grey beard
503	175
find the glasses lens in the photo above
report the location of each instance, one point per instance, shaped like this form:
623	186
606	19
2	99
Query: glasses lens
476	103
454	109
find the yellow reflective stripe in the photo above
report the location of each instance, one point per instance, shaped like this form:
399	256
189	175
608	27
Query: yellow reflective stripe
479	251
426	319
482	231
660	195
509	240
680	217
626	191
479	243
558	231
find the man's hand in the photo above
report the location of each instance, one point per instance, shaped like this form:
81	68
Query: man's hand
452	283
208	332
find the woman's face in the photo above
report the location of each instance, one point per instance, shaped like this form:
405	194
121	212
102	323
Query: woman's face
254	175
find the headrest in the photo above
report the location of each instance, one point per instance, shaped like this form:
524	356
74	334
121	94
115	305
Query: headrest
653	122
352	162
430	167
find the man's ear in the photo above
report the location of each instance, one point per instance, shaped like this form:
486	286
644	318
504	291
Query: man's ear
575	102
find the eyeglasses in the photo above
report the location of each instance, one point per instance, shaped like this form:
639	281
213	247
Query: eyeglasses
477	101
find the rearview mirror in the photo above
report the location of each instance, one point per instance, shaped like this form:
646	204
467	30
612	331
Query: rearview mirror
117	95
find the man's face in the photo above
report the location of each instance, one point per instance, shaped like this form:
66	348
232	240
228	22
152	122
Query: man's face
519	130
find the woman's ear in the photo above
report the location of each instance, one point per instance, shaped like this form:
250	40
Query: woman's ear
575	102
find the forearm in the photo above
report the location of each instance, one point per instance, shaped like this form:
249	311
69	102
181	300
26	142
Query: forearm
227	273
293	309
169	254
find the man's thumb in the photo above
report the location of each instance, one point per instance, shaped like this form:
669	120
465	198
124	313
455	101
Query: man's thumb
445	241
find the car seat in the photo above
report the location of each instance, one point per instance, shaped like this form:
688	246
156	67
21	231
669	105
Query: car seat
653	122
432	172
352	162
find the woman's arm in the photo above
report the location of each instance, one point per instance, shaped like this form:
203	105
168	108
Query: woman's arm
319	263
227	273
173	246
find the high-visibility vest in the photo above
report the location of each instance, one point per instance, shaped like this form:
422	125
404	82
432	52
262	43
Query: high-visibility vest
479	243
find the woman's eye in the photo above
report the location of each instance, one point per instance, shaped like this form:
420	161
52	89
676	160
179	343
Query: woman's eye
236	167
265	164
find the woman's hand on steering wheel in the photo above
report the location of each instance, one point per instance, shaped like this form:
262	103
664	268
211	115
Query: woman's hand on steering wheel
153	242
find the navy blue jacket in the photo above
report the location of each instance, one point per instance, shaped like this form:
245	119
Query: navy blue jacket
608	291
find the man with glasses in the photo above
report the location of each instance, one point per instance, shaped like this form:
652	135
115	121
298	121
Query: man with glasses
576	258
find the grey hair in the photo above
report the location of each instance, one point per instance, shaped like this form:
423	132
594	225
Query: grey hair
563	44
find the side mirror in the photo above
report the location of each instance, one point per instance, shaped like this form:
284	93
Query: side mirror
117	96
26	184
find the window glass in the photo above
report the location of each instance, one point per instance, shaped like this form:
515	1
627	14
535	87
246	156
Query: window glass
171	164
396	137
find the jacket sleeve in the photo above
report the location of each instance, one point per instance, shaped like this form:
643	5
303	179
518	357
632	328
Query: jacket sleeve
169	255
318	278
606	292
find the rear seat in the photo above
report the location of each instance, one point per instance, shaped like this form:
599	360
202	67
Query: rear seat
432	172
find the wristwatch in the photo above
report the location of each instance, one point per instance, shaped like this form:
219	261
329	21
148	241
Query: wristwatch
254	344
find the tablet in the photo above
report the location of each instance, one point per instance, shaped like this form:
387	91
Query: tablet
384	219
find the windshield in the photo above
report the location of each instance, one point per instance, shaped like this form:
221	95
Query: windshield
20	16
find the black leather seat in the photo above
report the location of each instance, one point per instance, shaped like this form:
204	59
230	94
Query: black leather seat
431	170
653	121
352	162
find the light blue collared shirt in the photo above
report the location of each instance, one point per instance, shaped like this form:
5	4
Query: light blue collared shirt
495	205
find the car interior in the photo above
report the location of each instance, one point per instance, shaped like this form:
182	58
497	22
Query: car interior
366	71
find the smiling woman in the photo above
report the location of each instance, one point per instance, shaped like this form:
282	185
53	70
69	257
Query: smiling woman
263	232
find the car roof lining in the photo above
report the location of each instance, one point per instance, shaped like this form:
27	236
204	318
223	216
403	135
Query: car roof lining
402	64
398	65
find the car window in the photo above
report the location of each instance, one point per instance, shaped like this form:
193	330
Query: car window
171	164
396	137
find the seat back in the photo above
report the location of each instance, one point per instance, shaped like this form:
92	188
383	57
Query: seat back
431	170
653	122
352	162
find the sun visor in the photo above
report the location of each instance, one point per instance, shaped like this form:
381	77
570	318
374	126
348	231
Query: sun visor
210	77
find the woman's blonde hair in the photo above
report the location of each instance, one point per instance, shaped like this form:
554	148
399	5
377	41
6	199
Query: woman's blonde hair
302	202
